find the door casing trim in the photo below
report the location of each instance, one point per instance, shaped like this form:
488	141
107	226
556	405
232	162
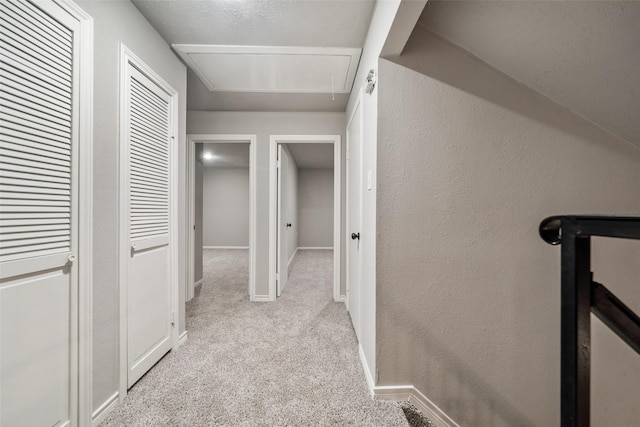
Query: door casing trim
128	57
336	140
192	140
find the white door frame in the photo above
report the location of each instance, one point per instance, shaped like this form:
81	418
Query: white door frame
192	140
128	57
80	369
336	140
85	222
354	263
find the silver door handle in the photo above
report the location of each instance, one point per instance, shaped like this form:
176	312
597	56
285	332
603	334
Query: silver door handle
133	247
71	258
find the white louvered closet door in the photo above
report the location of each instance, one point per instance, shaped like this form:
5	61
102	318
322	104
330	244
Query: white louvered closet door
149	124
38	214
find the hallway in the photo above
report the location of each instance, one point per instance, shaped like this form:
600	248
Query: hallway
291	362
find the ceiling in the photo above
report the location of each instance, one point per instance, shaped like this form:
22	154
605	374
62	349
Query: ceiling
311	155
225	155
236	25
236	155
585	55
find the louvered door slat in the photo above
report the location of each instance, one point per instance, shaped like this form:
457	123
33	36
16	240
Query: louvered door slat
141	125
35	85
151	155
35	133
20	147
33	103
16	87
29	124
148	159
15	21
58	35
148	172
155	97
22	222
31	39
150	106
27	177
33	139
32	65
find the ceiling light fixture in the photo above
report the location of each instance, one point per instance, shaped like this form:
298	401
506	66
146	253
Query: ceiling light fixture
207	155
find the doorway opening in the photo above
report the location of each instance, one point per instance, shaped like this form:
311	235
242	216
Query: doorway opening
221	202
305	203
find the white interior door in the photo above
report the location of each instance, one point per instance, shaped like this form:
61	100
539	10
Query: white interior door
282	252
38	215
354	197
148	278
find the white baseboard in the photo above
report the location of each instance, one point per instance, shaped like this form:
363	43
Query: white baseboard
182	338
101	413
408	393
341	298
225	247
292	257
417	399
314	248
261	298
367	371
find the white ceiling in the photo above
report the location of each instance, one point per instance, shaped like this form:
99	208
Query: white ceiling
293	23
311	155
236	155
225	155
585	55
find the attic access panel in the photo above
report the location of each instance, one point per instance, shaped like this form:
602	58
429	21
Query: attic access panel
272	68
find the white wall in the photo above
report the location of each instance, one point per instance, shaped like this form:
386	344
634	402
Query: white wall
263	125
115	23
469	163
315	208
225	213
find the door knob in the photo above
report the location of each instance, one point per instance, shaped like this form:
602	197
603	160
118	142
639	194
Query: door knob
355	236
71	258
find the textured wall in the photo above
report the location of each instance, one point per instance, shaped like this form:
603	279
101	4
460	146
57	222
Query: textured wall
115	23
263	125
225	210
583	55
469	163
315	208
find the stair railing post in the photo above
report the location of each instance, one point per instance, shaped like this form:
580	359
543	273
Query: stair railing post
576	327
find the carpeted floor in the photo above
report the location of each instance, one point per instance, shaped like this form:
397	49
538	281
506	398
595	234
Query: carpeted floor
293	362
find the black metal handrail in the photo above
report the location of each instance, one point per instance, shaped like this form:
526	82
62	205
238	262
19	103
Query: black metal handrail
580	296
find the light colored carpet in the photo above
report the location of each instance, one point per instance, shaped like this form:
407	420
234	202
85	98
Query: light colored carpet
293	362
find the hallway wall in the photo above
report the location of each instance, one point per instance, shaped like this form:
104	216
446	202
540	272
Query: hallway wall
225	212
114	23
315	208
264	125
469	163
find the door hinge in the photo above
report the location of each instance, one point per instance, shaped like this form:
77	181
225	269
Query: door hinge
173	318
278	163
277	277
